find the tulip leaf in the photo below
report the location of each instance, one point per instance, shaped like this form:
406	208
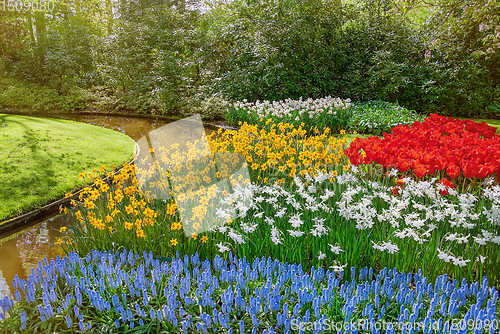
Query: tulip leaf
164	259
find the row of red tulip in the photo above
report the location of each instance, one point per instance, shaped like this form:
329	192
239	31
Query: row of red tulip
437	143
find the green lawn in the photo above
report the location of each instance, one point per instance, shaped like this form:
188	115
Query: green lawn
41	159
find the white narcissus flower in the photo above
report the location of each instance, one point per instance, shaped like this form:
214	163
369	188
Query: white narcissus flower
272	200
480	240
269	220
337	268
401	234
456	237
236	237
460	262
296	221
318	220
496	240
295	233
469	226
220	213
281	213
445	257
319	230
259	215
391	248
376	246
442	187
321	255
222	229
260	199
335	249
487	234
222	248
248	228
275	235
481	258
451	237
393	172
489	180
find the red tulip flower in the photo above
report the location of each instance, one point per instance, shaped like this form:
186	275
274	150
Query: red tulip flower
438	143
453	171
403	165
485	170
441	163
420	170
470	169
430	169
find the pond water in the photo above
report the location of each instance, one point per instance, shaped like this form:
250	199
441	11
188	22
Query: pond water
23	248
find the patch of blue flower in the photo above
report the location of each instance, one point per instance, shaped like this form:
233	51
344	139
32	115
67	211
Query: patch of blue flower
186	295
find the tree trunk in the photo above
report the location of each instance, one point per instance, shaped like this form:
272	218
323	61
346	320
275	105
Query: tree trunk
29	23
40	34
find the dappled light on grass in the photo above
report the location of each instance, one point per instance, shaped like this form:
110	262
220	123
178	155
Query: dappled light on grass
41	159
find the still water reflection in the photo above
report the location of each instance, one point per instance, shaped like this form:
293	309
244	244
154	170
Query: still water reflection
21	251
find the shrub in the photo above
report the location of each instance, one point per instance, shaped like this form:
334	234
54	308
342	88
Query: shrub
211	108
378	117
23	96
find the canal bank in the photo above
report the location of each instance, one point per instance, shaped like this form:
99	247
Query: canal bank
34	235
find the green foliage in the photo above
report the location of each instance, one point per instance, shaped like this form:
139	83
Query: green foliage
211	108
58	60
164	57
263	50
366	51
493	110
378	117
147	59
23	96
469	25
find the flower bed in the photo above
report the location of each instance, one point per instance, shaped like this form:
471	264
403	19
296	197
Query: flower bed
121	215
313	213
120	291
335	114
305	205
439	144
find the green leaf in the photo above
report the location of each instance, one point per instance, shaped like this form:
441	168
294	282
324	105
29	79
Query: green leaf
164	259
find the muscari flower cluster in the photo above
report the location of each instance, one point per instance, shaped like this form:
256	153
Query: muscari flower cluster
235	296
